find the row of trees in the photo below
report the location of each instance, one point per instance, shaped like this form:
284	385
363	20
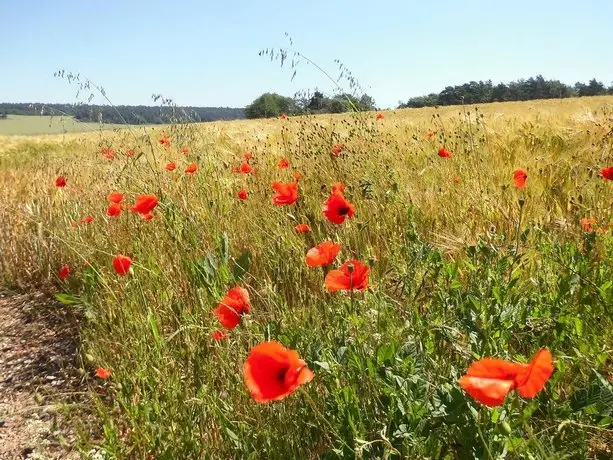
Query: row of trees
134	115
520	90
267	105
272	105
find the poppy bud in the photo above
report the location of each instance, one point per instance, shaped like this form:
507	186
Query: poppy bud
521	202
506	428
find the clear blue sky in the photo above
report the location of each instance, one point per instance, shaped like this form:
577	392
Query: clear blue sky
205	52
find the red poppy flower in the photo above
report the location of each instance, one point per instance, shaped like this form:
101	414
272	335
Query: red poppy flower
353	274
607	173
165	140
148	216
219	335
273	372
302	228
145	204
519	178
444	153
379	116
115	197
122	264
242	194
234	304
586	224
87	220
336	208
297	175
130	153
338	187
114	209
184	151
192	168
287	193
108	153
64	271
430	133
60	181
490	380
283	163
247	156
170	166
337	149
103	373
456	180
283	116
245	168
322	254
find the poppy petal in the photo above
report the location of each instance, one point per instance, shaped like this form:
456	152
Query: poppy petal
495	369
228	316
533	378
488	391
305	376
322	254
336	280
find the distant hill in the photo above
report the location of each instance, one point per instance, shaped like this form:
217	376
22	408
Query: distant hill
125	114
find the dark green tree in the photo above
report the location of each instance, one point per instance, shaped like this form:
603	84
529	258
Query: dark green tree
521	90
367	103
269	105
593	88
317	102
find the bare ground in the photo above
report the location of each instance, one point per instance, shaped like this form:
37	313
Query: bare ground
38	377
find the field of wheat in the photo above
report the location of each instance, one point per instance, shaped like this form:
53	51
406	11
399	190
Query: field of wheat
328	286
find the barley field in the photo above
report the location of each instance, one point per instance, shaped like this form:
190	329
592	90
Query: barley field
456	234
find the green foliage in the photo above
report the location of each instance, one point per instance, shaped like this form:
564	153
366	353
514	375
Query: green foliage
269	105
272	105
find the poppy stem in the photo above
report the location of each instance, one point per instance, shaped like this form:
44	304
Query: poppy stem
487	449
521	213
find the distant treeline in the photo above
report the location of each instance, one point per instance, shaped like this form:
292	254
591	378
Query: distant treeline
520	90
273	105
130	114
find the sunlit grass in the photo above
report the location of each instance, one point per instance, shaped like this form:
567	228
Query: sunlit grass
463	265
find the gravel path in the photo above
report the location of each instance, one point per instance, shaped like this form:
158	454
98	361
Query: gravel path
37	377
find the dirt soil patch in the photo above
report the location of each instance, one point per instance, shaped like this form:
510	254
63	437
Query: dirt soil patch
38	377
